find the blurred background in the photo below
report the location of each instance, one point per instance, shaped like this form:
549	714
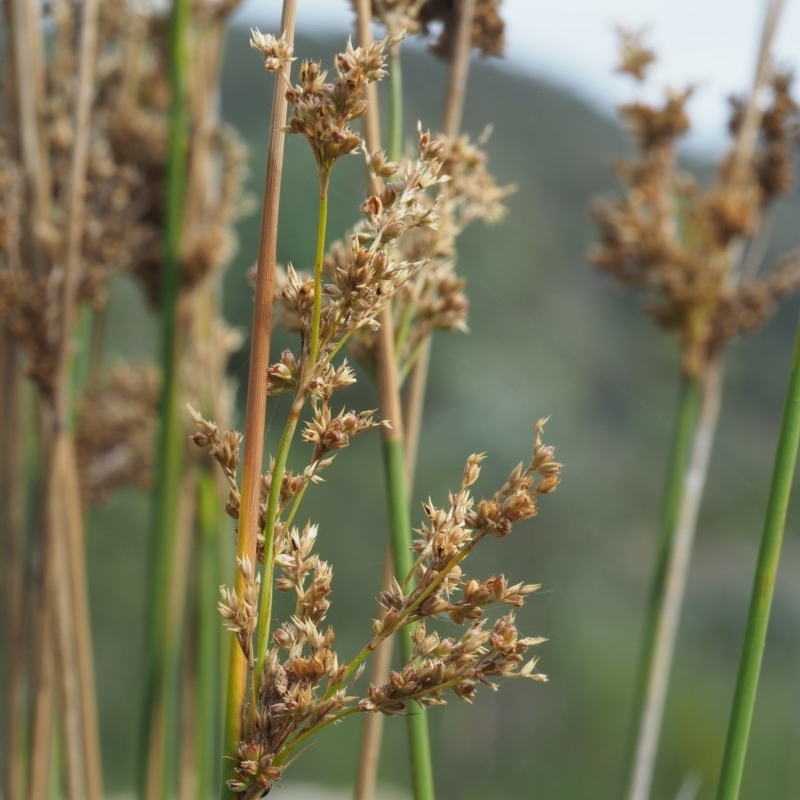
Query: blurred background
548	337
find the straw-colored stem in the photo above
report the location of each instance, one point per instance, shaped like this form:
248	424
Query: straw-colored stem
64	621
459	69
17	584
65	516
646	718
188	766
682	511
394	469
255	415
156	768
763	588
209	631
372	731
43	689
457	79
28	51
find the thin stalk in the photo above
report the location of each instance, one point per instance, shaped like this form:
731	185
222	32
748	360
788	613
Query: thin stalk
322	222
16	574
457	79
271	518
207	699
188	766
763	588
64	633
403	619
664	620
372	730
282	455
155	768
647	720
64	513
28	52
43	690
285	444
417	721
255	417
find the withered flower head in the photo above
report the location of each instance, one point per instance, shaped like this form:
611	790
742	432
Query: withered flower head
634	57
322	111
681	244
488	28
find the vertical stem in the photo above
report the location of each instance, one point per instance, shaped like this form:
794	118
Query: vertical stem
372	730
322	221
394	465
18	586
674	559
65	516
417	720
155	767
43	688
209	630
639	750
457	78
763	588
255	418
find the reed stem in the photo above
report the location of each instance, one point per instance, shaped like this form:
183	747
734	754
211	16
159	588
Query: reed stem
647	717
163	656
763	588
255	417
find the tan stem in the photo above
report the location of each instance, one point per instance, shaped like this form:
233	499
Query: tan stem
255	416
18	586
26	26
677	571
64	618
372	731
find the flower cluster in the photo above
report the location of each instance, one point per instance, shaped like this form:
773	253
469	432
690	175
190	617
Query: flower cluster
681	243
322	111
304	687
403	17
371	269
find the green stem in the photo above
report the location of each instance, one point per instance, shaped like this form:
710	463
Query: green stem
395	469
688	414
273	508
162	649
763	588
418	737
324	181
282	455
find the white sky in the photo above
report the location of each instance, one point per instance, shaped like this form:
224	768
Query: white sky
709	42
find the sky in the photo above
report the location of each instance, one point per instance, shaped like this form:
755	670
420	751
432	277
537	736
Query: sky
710	43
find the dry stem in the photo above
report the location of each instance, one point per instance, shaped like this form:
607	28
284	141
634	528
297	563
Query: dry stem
257	386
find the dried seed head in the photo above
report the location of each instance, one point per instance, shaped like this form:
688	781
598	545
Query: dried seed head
277	53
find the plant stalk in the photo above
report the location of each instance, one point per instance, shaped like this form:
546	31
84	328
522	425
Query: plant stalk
688	412
255	419
763	588
163	658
